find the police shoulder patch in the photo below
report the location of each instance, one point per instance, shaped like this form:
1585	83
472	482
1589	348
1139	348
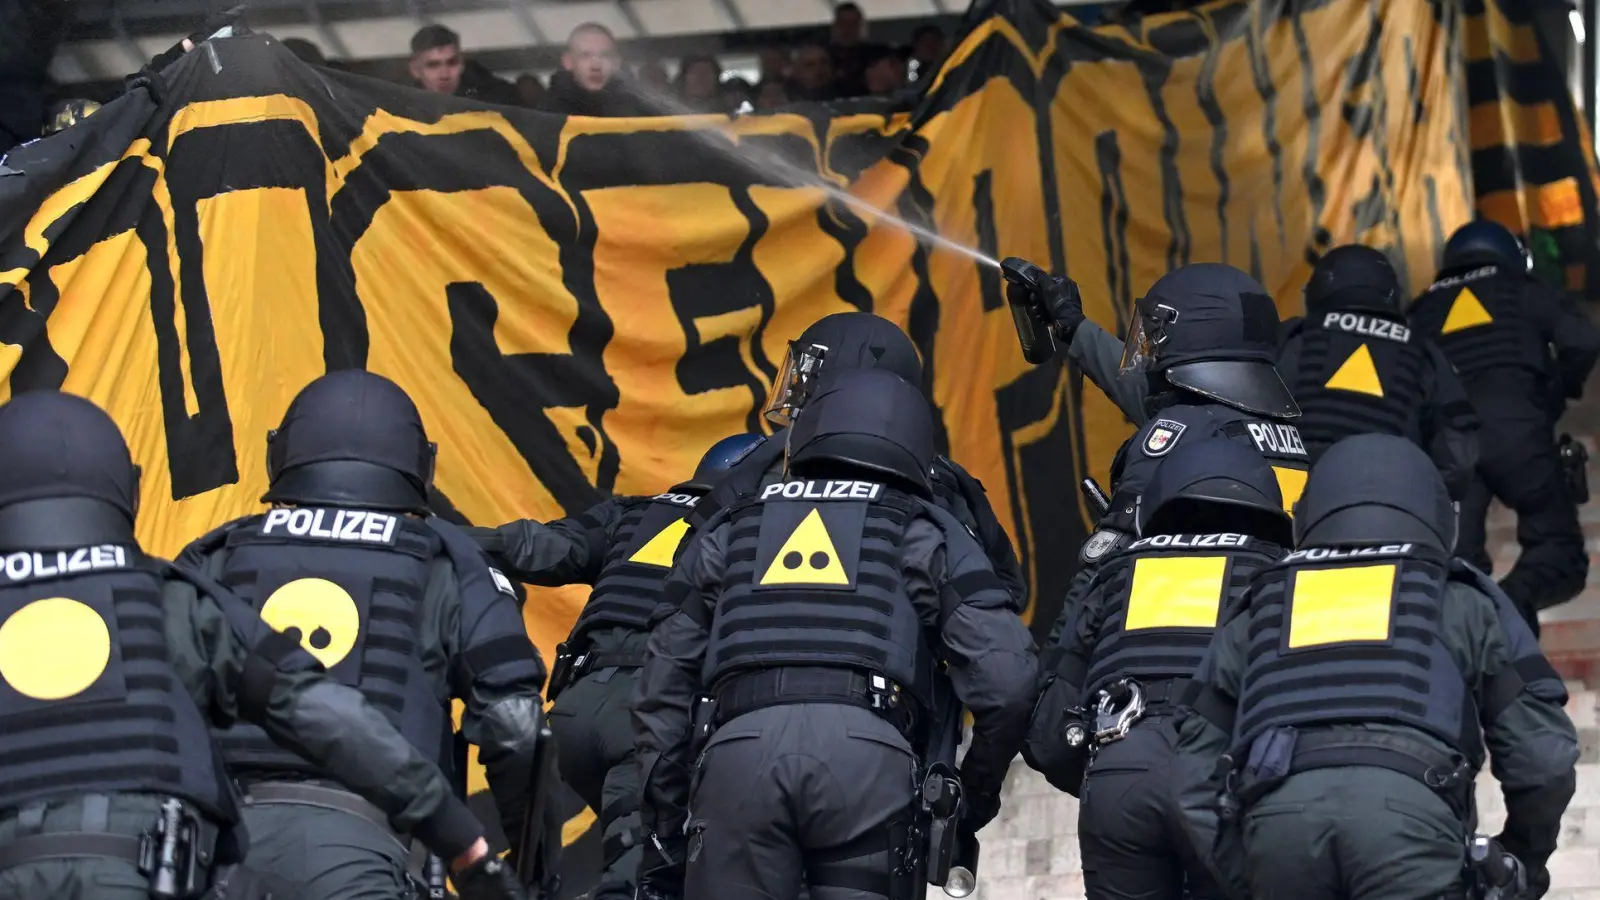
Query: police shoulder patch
1098	545
1163	436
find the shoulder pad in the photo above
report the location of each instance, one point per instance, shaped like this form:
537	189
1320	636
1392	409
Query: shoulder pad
944	519
212	541
1540	678
941	464
466	557
204	584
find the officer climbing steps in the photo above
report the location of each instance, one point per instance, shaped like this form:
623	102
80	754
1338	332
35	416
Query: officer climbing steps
663	548
808	556
1466	312
1357	374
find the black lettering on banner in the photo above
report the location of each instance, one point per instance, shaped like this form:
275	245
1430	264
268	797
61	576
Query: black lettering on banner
1114	225
1261	74
1315	189
989	286
1173	38
850	155
1226	19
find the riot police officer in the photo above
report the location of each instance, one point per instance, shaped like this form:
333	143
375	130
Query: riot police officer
1522	349
396	603
1210	518
1357	695
113	664
1356	367
624	546
834	624
844	342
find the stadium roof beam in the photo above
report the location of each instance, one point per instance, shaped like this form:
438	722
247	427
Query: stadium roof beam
335	42
519	8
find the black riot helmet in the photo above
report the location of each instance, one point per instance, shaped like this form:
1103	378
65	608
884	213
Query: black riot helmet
723	455
1485	243
66	477
840	342
1214	486
1374	489
1212	330
868	422
1353	277
351	438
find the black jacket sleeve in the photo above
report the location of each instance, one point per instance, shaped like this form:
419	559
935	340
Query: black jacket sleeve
236	666
1569	332
553	554
971	507
1449	425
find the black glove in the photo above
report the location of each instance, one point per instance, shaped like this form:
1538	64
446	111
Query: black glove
488	879
980	811
1058	298
1538	877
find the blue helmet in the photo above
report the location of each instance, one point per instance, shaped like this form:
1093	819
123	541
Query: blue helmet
722	456
1484	242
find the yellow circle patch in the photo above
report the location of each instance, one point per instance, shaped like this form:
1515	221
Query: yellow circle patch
321	615
53	649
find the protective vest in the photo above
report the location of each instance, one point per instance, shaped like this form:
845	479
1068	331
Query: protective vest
638	558
813	579
1479	321
1167	594
1359	373
349	583
1348	636
89	699
1277	442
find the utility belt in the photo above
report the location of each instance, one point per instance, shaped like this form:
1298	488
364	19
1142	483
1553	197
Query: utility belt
571	665
1281	752
745	692
176	853
1122	704
302	793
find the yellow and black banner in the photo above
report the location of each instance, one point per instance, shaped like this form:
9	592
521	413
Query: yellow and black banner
581	307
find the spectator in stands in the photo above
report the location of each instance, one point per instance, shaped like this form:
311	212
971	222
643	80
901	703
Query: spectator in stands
812	76
530	89
927	52
653	75
886	71
438	66
735	93
771	94
775	63
849	53
590	81
699	77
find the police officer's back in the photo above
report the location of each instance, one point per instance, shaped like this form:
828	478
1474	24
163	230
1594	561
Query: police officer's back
624	547
1521	349
818	616
1358	696
1356	367
394	602
113	664
1210	518
845	342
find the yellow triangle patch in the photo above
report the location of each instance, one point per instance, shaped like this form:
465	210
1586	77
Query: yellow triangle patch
660	550
1358	375
1466	312
807	557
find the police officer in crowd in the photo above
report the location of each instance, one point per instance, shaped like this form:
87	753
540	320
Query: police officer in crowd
394	602
838	343
624	546
1357	695
1356	367
1521	349
112	666
1210	518
837	622
1197	362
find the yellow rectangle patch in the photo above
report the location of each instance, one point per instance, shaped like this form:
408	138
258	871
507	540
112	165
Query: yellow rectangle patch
1291	484
1340	606
1176	592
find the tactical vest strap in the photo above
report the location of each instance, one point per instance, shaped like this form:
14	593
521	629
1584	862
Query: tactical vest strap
301	794
261	670
747	692
68	844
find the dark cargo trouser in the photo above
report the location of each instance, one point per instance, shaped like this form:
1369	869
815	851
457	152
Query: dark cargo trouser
1356	833
1134	846
327	853
594	739
98	877
803	792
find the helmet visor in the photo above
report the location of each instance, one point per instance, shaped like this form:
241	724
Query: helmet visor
1146	333
796	382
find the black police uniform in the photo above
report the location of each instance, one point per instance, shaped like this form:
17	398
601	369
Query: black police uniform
833	622
850	341
1521	349
624	547
112	666
1210	518
1358	695
396	603
1356	367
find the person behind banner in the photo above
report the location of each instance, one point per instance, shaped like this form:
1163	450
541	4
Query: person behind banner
112	666
1210	519
624	546
1522	349
845	342
831	625
1333	735
1357	368
396	603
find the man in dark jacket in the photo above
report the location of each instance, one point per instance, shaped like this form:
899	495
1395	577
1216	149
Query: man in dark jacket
591	81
